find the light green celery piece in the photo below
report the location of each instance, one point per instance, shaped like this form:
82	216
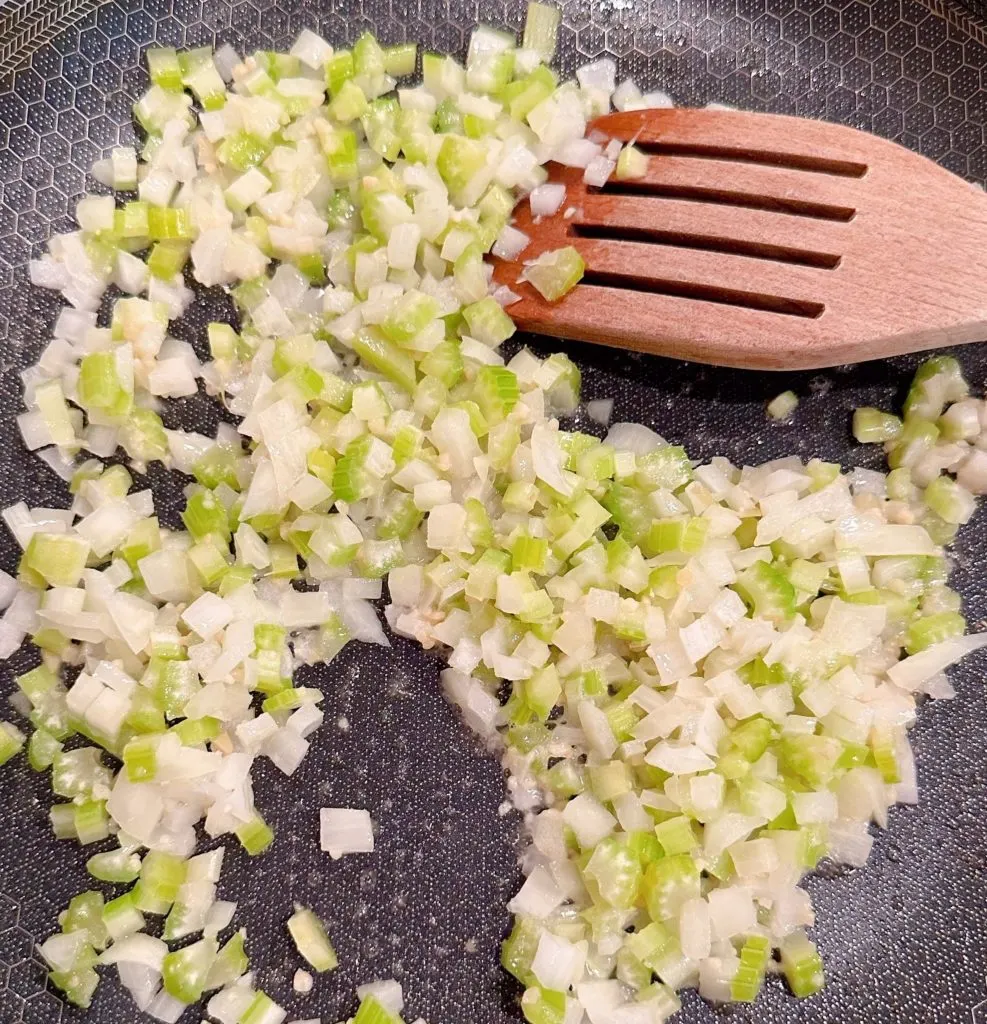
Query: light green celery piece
205	514
949	500
223	339
42	748
140	759
117	866
555	273
76	773
768	590
168	258
542	691
563	393
185	970
468	274
369	57
458	161
85	914
371	1011
37	684
262	1010
519	948
177	684
631	163
872	426
486	321
496	392
669	883
812	758
207	85
164	68
616	870
543	1006
379	123
79	984
933	629
162	875
882	747
386	357
121	916
668	466
130	220
310	938
676	835
739	749
409	316
445	362
383	211
754	957
168	224
651	944
348	103
241	150
230	963
399	60
11	741
255	835
51	403
195	732
57	557
91	822
802	965
143	436
339	69
291	698
541	30
937	382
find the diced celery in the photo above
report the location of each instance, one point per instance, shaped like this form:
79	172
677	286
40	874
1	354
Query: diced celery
143	436
541	29
161	876
555	273
262	1010
400	60
871	426
543	1006
631	163
802	965
487	322
100	387
782	406
163	67
386	358
310	938
42	748
185	970
255	835
409	316
11	741
518	950
58	558
669	883
458	161
117	866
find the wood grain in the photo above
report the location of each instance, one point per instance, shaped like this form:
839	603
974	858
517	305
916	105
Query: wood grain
764	241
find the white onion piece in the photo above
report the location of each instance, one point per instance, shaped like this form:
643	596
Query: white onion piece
345	830
633	437
546	199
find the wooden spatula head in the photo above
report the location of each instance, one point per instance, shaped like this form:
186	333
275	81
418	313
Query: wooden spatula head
762	241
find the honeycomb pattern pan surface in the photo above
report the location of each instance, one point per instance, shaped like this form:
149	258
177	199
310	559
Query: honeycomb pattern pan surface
905	938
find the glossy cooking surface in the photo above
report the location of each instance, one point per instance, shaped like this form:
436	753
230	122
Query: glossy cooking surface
905	939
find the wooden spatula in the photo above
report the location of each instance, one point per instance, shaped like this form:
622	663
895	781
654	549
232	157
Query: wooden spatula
756	240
